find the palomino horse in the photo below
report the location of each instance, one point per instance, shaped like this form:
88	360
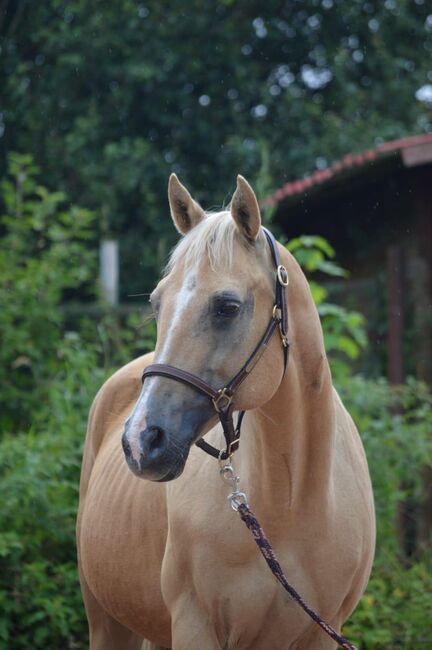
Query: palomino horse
168	560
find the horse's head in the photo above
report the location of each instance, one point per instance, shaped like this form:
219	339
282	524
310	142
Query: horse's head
212	308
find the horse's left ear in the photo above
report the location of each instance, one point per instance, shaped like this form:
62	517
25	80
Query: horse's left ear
185	212
245	209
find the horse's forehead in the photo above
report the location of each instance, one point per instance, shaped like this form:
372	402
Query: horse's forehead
203	274
203	279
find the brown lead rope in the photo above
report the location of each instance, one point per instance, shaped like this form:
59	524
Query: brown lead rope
269	556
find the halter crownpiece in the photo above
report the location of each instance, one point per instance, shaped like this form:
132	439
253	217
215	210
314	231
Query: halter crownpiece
222	398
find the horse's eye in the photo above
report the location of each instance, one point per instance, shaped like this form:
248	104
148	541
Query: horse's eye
228	309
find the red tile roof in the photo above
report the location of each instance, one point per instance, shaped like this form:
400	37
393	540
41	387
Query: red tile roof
347	162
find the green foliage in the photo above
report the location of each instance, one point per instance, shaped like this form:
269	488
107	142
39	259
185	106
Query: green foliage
39	592
40	600
123	339
49	373
111	97
395	611
395	425
43	253
344	330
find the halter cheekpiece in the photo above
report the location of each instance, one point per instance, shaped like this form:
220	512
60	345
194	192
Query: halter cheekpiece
222	398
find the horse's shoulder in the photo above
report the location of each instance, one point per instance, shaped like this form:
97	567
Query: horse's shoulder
126	381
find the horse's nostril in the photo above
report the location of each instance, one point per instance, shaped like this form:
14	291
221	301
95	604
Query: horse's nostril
158	438
153	440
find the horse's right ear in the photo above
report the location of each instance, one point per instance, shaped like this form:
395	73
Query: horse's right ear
245	209
185	212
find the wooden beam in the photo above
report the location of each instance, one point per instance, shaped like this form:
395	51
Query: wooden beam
419	154
395	367
423	293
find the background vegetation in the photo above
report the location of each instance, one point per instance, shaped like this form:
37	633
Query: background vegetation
110	97
102	101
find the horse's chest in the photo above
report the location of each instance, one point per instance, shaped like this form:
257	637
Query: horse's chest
241	603
213	572
122	537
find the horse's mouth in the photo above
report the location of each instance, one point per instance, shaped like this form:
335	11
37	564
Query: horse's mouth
172	474
153	474
167	467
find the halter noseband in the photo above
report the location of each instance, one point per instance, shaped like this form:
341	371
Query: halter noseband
223	397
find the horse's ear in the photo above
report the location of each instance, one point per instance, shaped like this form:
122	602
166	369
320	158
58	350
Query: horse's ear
245	209
185	212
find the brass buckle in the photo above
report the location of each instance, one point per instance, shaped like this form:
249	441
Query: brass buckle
277	315
229	451
282	275
236	441
222	395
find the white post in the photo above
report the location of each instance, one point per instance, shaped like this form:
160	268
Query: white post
109	271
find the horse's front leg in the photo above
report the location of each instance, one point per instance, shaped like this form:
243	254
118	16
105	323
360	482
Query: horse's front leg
190	626
106	633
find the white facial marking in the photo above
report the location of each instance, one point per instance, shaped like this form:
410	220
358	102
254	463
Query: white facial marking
138	417
184	297
137	423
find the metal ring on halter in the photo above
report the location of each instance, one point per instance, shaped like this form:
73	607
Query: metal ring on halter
227	472
277	313
222	395
282	275
224	462
237	499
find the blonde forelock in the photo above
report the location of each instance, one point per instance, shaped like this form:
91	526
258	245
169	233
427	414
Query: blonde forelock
214	237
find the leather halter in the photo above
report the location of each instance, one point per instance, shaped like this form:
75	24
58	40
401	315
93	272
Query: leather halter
222	398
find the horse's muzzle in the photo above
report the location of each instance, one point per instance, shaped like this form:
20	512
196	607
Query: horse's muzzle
165	422
153	454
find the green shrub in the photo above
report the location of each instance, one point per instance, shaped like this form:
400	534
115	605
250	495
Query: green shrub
40	602
40	599
395	425
43	252
49	378
344	330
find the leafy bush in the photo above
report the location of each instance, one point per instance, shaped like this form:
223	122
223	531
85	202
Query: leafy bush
43	252
395	425
40	599
39	593
344	330
50	376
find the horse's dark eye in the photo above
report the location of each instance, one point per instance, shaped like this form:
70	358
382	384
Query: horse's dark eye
228	309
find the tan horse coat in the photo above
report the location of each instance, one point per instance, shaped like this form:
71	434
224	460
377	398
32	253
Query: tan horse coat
171	562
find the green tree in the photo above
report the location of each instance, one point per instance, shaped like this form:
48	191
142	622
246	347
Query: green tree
111	97
43	253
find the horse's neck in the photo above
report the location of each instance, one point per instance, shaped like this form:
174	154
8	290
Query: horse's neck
290	444
288	452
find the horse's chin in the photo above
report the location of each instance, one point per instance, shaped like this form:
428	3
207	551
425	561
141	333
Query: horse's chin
172	474
167	472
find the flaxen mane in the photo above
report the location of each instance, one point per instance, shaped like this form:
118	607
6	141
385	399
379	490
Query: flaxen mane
214	237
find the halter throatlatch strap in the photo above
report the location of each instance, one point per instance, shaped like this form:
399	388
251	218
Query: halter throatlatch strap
222	398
